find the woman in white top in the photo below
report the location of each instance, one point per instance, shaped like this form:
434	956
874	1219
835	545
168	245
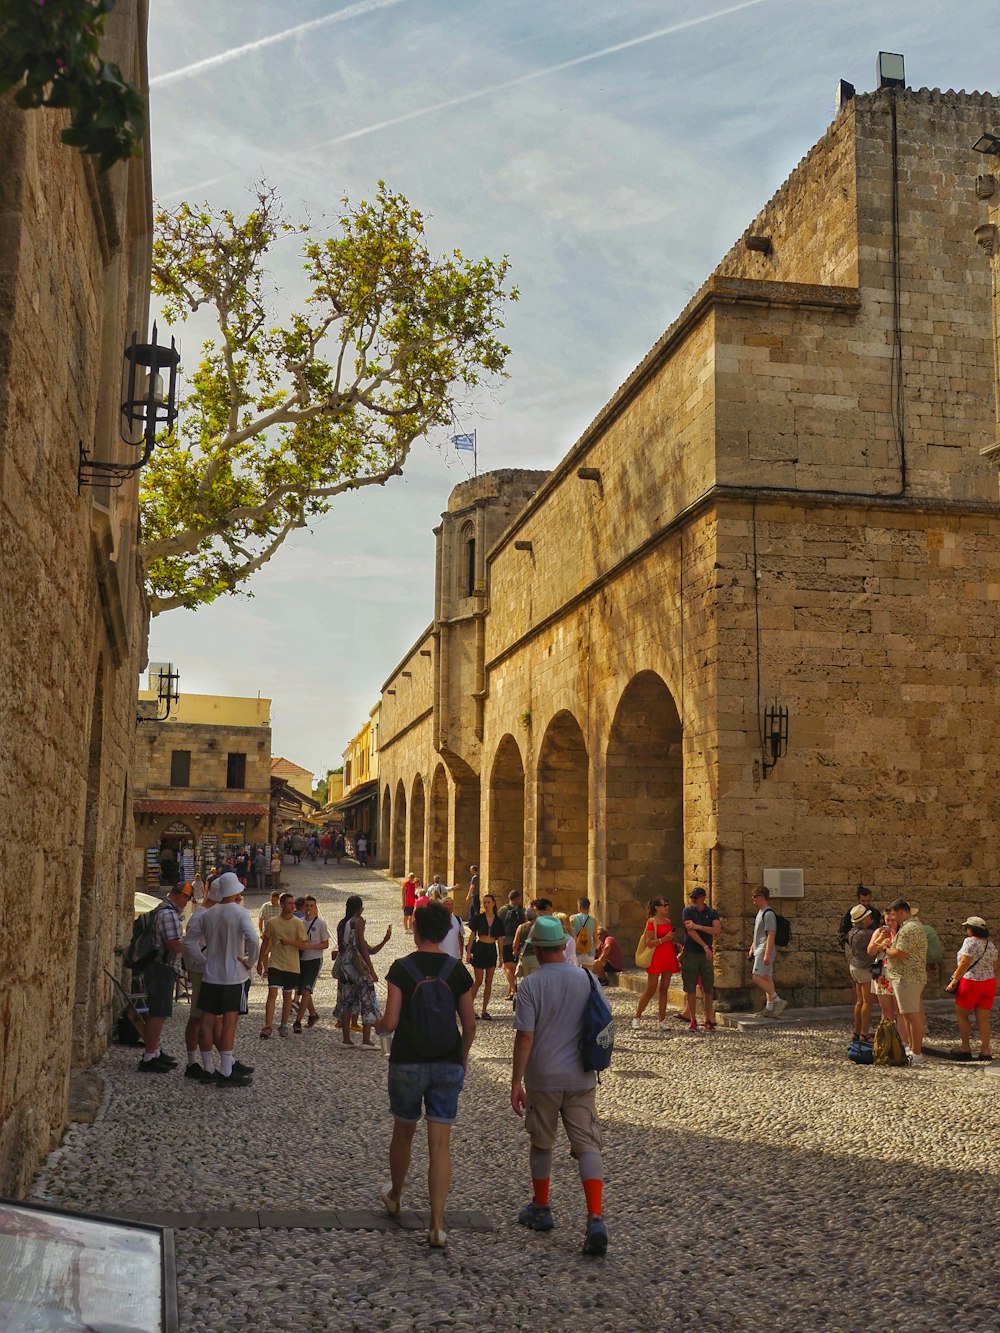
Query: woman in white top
974	985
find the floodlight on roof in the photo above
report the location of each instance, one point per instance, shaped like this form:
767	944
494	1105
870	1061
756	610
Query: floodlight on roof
987	143
889	70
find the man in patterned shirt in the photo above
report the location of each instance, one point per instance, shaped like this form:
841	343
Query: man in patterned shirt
160	977
906	970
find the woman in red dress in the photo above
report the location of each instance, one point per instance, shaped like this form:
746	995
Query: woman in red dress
664	962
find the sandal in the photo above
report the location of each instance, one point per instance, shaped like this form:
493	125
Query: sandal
296	1026
265	1032
391	1207
282	1029
437	1240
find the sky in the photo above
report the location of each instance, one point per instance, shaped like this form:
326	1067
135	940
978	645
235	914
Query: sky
613	152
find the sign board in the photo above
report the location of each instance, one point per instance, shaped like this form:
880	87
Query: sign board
80	1273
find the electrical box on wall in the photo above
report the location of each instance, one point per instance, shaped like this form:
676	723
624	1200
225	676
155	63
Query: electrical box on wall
785	883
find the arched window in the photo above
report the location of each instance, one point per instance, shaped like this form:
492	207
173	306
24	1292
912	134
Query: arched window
468	547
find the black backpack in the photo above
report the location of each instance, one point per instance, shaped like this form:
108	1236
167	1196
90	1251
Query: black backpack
597	1040
782	930
432	1011
142	948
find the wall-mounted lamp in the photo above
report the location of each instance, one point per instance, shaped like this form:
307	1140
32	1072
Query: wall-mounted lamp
524	546
987	143
774	738
889	70
146	408
762	244
167	694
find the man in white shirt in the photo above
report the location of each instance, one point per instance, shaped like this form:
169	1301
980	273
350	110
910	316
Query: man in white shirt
454	941
231	947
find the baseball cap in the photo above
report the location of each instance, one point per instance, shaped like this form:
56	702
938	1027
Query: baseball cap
697	892
547	931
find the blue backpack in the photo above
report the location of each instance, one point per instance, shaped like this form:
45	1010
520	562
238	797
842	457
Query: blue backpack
597	1040
432	1011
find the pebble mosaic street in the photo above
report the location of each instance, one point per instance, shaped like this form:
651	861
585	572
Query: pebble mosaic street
753	1179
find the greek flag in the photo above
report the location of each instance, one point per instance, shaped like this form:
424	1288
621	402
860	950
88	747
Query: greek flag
465	442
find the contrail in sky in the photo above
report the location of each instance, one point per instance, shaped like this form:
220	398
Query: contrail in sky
542	73
224	57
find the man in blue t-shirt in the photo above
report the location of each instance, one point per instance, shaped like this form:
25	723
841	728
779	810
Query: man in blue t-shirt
702	927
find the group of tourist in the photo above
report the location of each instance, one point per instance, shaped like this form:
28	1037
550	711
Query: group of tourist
892	958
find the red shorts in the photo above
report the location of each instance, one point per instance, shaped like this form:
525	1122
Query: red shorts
976	994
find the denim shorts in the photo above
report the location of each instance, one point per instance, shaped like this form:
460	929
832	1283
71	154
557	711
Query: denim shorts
159	980
432	1086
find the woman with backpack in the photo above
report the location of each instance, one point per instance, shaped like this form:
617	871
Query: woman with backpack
355	973
427	990
856	949
974	986
663	964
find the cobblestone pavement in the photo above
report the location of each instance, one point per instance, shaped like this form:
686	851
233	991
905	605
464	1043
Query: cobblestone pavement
753	1181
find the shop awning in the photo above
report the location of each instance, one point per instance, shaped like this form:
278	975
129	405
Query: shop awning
360	796
150	806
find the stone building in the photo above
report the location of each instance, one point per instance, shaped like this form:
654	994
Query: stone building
784	505
74	284
202	784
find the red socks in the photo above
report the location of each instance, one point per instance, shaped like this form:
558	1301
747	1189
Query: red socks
541	1189
594	1190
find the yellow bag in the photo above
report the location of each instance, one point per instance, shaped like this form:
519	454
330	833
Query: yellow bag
644	953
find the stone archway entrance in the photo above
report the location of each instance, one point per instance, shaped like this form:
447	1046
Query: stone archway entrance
418	804
437	846
507	820
385	831
561	838
645	806
397	856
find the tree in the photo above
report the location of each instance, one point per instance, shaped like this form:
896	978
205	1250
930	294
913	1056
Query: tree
280	420
51	48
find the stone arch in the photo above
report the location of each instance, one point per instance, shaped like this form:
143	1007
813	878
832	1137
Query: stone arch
88	974
644	800
418	803
397	856
506	796
561	839
385	830
437	816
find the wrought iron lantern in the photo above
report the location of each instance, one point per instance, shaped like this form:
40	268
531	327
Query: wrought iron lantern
147	407
774	737
167	694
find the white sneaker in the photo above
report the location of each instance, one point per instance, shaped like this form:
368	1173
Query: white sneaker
779	1006
916	1058
665	1026
637	1022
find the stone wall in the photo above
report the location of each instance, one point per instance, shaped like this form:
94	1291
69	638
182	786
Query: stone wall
74	253
785	500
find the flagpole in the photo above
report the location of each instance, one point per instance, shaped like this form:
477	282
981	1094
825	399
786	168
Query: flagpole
475	455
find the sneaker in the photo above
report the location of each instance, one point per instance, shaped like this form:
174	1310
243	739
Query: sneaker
194	1071
536	1217
916	1058
779	1006
665	1026
234	1080
168	1060
636	1023
157	1066
596	1240
240	1068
